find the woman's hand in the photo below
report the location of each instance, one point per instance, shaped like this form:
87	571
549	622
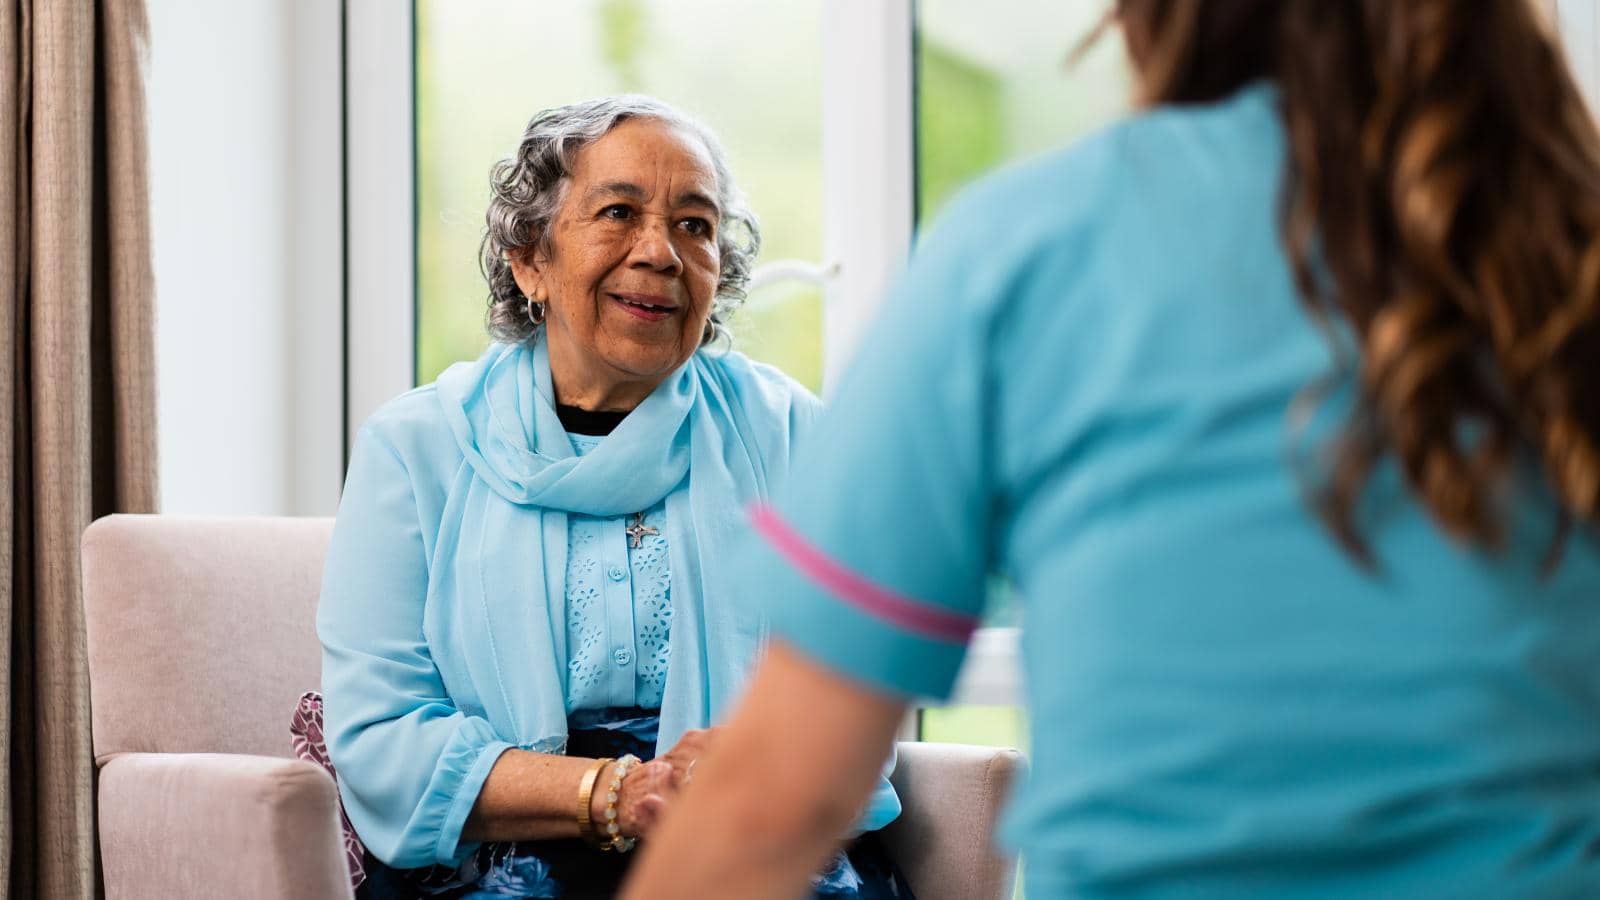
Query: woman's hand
649	789
646	793
759	836
693	745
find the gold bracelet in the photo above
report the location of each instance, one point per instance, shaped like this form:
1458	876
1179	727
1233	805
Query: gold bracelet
586	828
615	840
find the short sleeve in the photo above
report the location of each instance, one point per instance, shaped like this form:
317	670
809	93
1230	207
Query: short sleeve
410	765
874	554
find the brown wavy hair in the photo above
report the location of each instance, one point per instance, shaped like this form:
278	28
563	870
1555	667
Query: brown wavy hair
1443	199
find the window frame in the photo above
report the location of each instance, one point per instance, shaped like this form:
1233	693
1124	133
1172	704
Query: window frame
868	163
380	220
869	166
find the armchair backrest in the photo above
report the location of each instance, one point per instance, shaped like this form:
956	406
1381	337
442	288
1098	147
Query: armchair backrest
201	632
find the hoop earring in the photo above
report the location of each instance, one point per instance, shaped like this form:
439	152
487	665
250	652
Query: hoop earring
536	312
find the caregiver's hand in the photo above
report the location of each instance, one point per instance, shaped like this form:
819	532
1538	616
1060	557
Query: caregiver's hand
646	793
693	745
651	787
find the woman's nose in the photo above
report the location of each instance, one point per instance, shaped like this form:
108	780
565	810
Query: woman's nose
652	247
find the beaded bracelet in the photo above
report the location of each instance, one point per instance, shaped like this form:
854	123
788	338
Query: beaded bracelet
616	841
586	828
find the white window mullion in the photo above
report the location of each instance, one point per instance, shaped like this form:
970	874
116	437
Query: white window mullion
869	191
315	351
867	164
380	219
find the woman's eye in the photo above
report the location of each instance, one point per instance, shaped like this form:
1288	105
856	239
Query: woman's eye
696	227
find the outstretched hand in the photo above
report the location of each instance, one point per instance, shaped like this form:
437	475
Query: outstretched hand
646	792
694	744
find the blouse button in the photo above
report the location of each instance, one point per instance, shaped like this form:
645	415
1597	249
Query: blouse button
616	573
622	656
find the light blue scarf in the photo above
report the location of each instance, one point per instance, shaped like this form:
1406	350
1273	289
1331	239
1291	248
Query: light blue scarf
710	439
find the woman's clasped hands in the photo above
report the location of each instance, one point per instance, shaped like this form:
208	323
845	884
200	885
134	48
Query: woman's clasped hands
649	789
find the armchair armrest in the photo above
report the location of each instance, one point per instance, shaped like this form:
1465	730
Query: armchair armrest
219	825
943	842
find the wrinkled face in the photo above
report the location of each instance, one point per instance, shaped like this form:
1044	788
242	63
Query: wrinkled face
632	262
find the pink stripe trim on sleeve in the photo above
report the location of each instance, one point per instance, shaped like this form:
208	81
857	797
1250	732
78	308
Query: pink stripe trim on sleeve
900	611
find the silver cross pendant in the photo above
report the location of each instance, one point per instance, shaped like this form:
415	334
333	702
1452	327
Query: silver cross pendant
638	530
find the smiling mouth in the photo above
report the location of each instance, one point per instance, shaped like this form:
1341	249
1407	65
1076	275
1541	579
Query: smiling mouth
644	309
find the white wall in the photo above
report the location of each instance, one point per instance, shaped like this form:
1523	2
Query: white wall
1579	22
244	183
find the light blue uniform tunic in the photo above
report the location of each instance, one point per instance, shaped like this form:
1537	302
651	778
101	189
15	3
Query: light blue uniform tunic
1085	383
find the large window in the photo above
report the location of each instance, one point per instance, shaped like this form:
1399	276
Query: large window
849	125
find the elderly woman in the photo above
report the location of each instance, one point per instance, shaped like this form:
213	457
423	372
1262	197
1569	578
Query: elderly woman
526	591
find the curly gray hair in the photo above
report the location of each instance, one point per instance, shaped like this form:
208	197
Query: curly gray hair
527	189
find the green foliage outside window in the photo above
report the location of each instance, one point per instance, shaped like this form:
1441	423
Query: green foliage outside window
960	123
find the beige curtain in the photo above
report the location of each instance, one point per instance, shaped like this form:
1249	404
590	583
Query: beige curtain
77	396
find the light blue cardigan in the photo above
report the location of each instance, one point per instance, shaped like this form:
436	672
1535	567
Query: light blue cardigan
443	599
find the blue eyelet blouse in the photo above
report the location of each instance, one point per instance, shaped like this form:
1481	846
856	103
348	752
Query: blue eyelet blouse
619	607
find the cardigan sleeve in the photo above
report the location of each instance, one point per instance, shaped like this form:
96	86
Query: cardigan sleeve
410	765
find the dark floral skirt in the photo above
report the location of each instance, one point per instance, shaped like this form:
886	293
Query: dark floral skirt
573	870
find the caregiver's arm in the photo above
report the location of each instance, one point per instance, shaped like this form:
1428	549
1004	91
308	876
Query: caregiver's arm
787	777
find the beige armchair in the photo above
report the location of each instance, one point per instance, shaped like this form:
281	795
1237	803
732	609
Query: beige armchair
201	638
